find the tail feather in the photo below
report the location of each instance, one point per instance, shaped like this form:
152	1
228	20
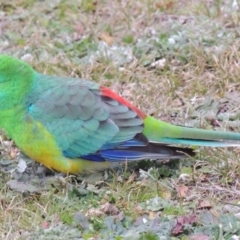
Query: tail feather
158	131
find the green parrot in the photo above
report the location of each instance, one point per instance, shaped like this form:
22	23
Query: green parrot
72	125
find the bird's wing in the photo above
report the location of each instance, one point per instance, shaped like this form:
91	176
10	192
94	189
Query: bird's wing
82	119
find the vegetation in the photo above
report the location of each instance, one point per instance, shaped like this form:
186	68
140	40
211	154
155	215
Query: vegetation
177	61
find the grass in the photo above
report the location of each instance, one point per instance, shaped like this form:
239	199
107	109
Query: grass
177	61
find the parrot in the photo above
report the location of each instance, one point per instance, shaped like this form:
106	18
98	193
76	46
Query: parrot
72	125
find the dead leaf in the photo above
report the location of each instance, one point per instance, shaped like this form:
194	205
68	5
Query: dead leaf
94	212
182	191
181	221
105	36
204	204
164	6
215	123
109	209
138	209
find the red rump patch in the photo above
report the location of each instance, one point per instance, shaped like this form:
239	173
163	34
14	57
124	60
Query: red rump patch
109	93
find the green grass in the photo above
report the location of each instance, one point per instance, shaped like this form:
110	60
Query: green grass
166	57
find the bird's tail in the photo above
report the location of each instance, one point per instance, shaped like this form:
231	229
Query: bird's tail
161	132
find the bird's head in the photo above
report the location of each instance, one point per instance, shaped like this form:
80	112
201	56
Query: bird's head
16	78
12	69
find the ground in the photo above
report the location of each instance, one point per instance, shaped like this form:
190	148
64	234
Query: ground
176	60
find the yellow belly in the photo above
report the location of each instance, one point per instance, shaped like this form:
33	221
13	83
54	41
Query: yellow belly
38	144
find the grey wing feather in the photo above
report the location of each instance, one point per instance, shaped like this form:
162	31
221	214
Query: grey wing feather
81	120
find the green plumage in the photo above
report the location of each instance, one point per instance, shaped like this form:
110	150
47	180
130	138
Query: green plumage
70	124
157	131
